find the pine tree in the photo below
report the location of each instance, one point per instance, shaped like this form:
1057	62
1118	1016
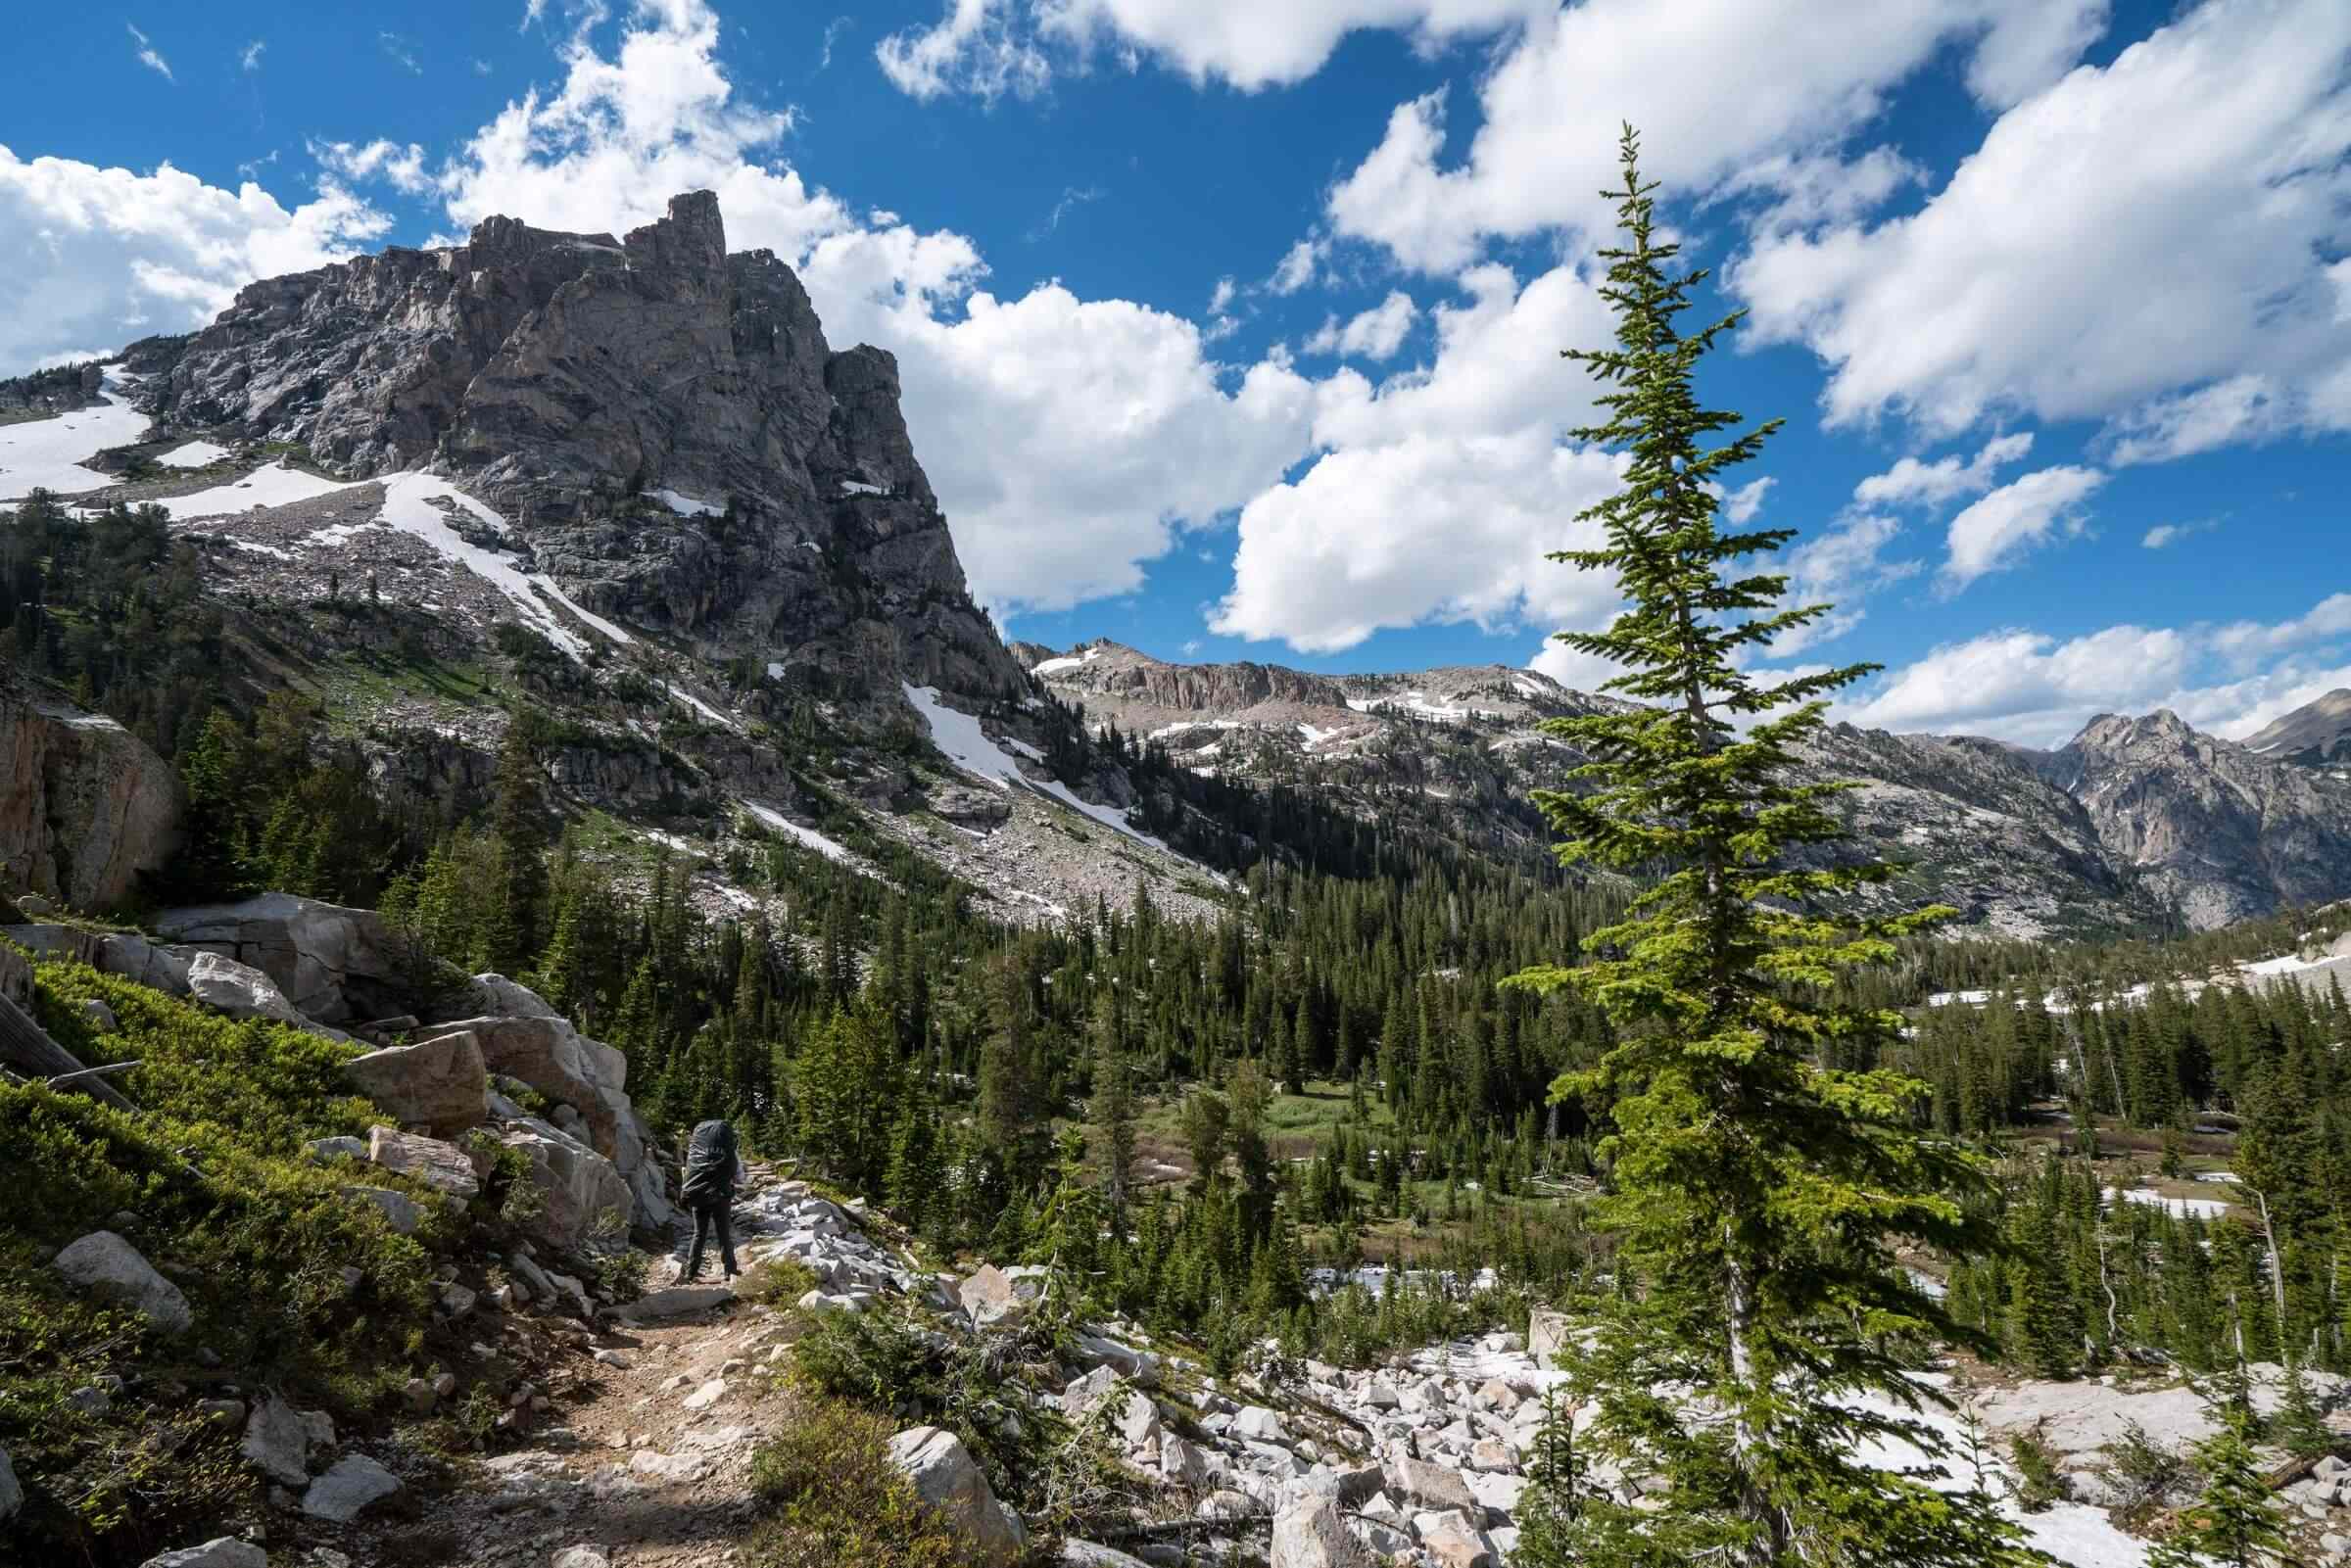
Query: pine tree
515	819
1757	1194
2234	1523
1110	1116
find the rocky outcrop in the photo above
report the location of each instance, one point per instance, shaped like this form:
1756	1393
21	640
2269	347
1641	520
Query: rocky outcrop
355	1482
85	807
581	1192
107	1266
442	1166
334	964
11	1495
949	1479
241	991
438	1085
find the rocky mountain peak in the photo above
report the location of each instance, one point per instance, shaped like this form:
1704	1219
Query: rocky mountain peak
2317	735
659	425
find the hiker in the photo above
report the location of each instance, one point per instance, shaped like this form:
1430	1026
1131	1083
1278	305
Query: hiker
711	1164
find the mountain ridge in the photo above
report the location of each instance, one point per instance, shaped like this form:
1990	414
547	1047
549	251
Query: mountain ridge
2139	818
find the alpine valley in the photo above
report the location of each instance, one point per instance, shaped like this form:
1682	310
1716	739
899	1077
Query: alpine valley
627	485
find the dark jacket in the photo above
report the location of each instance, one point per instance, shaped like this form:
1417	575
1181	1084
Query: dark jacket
710	1160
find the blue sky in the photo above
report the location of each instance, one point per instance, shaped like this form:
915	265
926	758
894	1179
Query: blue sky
1229	330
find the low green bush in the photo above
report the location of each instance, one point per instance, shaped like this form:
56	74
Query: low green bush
293	1285
836	1499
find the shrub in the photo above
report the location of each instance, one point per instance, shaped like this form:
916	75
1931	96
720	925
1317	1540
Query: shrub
839	1499
2038	1480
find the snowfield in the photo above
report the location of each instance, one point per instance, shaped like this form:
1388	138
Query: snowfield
195	455
687	505
48	453
831	849
274	486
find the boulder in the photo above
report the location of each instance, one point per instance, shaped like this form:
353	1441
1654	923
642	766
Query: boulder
496	996
949	1479
1260	1425
1310	1534
580	1557
1546	1333
1180	1463
1138	1422
567	1066
106	1265
991	1296
1135	1365
1088	1554
439	1085
1456	1543
336	965
400	1210
227	1551
12	1495
278	1441
577	1185
442	1166
85	806
241	991
1431	1486
338	1495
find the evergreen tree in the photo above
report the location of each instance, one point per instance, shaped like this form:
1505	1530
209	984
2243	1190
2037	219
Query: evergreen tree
514	820
1757	1194
1110	1116
2236	1522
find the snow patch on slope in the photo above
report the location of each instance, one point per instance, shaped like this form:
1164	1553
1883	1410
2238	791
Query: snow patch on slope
831	849
48	453
687	505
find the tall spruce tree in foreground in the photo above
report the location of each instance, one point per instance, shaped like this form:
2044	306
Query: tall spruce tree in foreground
1756	1192
2236	1522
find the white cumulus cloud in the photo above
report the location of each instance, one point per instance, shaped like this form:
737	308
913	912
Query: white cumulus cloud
2143	242
1990	534
1375	334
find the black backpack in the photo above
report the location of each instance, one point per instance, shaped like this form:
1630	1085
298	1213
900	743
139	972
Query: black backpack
710	1162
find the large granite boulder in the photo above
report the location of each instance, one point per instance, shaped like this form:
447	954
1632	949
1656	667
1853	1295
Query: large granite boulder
442	1166
590	1076
223	1551
947	1478
335	965
577	1186
439	1085
241	991
1310	1534
106	1265
1546	1333
85	806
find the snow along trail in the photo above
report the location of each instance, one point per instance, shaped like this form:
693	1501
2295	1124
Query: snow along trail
830	848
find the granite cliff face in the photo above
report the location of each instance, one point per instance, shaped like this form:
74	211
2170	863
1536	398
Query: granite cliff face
2213	827
85	807
2138	820
660	426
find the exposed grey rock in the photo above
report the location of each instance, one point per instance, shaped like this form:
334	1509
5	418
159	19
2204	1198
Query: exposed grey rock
580	1557
85	806
400	1210
2317	735
341	1147
1432	1486
1546	1333
227	1551
332	964
278	1441
351	1486
442	1166
242	991
101	1016
11	1495
1089	1554
950	1481
493	995
439	1084
578	1186
993	1294
1310	1534
106	1265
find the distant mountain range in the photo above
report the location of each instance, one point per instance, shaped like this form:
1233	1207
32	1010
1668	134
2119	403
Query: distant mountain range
2135	821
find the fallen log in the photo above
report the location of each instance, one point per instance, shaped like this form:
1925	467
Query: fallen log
26	1047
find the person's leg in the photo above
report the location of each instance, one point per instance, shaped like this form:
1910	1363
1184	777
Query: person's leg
702	1235
725	1213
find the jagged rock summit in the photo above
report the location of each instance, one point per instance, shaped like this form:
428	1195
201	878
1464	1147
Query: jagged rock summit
660	425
